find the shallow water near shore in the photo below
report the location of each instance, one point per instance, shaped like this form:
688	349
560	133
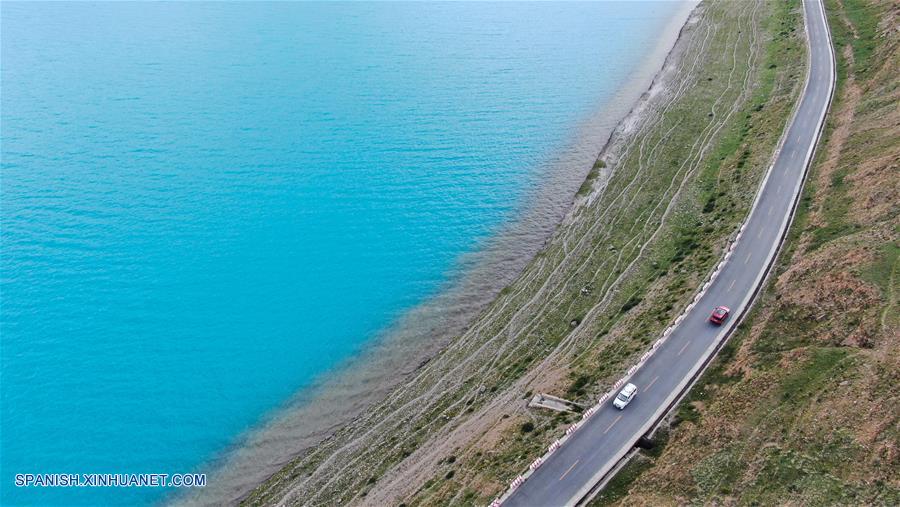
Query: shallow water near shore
206	207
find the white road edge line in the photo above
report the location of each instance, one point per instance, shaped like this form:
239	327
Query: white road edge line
561	477
612	424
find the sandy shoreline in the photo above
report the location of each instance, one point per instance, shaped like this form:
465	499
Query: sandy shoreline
339	397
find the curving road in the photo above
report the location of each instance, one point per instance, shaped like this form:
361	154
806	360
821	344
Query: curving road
590	453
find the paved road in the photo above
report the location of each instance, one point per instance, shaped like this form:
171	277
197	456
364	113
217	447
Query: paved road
590	453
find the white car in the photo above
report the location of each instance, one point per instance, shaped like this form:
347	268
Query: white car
625	396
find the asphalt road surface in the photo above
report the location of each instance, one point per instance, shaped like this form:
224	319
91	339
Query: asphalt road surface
585	459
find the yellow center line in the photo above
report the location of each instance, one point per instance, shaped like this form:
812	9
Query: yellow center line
682	348
612	424
651	383
570	469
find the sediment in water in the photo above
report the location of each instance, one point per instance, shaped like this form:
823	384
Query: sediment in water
337	398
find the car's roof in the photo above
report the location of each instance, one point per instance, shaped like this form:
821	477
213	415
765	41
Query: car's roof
629	388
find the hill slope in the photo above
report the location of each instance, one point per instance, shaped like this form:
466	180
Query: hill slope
802	406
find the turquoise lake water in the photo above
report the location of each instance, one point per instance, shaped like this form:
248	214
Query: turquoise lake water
205	206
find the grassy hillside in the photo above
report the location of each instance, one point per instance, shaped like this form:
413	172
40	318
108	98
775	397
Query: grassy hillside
802	406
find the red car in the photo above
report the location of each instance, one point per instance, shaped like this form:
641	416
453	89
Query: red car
719	314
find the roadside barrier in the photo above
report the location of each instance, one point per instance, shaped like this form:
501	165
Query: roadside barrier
519	480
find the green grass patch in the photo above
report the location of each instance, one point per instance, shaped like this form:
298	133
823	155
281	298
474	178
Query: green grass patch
883	271
592	176
824	364
834	211
717	473
864	17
